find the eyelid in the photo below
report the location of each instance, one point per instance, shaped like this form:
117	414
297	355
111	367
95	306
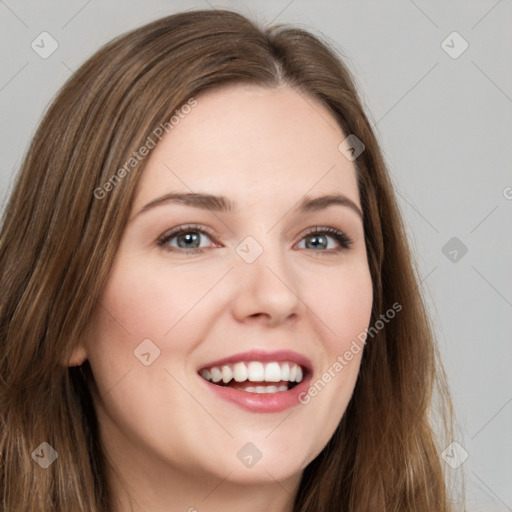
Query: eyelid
187	227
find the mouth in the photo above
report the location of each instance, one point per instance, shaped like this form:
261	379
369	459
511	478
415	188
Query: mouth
256	376
259	381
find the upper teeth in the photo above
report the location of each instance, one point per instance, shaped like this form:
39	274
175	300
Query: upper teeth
254	371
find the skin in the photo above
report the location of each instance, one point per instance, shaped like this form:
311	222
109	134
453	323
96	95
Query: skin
172	441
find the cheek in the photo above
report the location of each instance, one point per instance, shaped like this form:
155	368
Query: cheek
140	302
344	312
344	306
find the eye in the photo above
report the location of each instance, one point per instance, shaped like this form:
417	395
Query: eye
188	239
317	239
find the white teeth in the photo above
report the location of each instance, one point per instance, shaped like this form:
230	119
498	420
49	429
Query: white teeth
293	373
255	371
285	371
240	372
263	389
216	374
227	374
273	372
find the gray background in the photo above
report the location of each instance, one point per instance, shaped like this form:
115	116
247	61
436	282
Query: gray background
445	127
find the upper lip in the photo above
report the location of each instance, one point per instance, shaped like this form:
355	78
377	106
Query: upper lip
264	357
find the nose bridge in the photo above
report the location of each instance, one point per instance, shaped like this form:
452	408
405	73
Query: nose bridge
267	283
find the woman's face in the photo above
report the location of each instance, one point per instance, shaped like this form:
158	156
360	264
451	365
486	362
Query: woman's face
247	294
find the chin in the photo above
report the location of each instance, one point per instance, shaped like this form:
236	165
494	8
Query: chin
262	461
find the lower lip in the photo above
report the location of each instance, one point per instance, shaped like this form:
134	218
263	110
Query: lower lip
261	402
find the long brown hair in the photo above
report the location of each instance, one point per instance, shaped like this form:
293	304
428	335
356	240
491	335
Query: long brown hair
59	236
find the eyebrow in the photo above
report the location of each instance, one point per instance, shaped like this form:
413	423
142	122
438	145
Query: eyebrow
223	204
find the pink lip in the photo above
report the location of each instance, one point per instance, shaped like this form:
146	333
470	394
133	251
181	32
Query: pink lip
267	402
260	403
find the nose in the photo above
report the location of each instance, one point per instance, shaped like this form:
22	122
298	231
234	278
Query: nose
267	289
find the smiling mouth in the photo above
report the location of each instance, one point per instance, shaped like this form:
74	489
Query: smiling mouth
256	376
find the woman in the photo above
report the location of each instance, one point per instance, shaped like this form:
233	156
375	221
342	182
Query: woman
209	301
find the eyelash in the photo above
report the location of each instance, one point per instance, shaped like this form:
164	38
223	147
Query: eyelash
344	241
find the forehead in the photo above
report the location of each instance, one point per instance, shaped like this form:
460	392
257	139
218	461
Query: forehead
252	144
